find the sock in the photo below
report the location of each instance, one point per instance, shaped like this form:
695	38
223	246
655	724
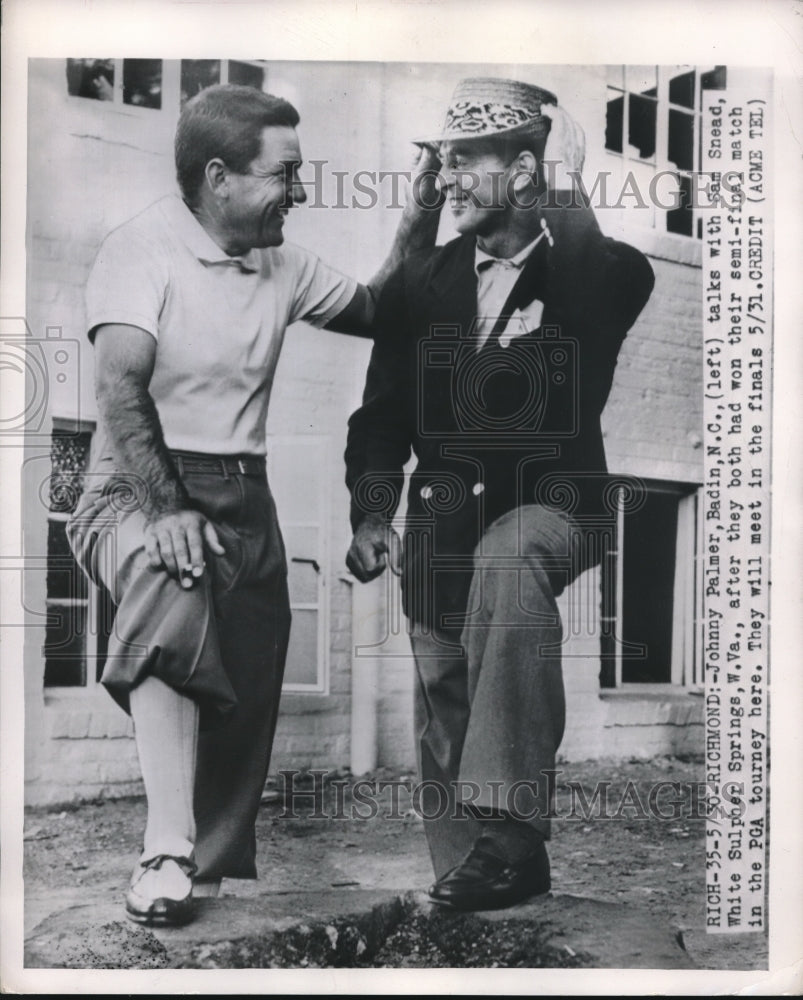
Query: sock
166	732
206	889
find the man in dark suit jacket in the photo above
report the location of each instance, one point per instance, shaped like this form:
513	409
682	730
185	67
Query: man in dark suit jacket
493	360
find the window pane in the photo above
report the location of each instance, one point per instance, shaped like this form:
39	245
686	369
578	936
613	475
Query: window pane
197	75
681	140
303	573
93	78
681	89
614	118
641	80
64	577
681	219
142	82
65	646
715	79
615	76
247	75
649	579
69	454
641	119
302	654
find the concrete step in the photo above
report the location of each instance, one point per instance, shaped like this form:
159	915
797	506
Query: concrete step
352	928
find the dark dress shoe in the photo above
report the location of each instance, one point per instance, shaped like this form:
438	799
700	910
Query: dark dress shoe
484	881
164	911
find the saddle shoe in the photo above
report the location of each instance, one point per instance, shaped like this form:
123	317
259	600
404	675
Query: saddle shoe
164	910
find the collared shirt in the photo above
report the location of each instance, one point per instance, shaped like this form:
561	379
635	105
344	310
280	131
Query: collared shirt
218	321
495	280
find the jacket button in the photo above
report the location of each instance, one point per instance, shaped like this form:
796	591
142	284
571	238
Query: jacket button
426	492
478	488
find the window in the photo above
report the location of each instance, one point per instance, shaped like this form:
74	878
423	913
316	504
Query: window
298	474
156	84
136	82
650	592
79	615
65	648
142	82
92	78
652	126
246	74
197	74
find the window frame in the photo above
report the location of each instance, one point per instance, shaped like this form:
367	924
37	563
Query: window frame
94	595
686	670
171	88
664	243
321	444
118	106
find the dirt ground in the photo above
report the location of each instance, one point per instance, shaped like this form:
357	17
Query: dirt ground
83	854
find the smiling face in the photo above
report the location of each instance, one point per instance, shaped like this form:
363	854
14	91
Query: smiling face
259	199
477	183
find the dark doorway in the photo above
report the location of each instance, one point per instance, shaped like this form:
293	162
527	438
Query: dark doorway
649	545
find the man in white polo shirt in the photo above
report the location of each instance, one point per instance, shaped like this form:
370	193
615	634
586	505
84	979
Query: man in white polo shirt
187	307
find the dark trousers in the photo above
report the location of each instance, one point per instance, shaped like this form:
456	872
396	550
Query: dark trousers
222	643
489	701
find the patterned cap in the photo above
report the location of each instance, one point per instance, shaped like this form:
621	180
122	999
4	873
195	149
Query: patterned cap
483	107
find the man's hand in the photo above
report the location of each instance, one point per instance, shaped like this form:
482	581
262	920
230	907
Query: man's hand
428	189
565	149
374	544
418	229
175	542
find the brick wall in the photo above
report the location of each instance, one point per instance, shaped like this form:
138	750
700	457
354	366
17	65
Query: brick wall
653	420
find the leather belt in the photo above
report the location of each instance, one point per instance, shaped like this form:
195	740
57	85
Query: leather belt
219	465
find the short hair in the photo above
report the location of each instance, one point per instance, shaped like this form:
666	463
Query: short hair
225	121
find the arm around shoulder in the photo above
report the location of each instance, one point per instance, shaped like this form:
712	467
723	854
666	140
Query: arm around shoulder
417	230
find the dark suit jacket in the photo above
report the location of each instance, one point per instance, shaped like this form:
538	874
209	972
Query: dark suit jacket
501	427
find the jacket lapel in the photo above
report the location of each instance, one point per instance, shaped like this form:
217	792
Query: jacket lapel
531	284
453	291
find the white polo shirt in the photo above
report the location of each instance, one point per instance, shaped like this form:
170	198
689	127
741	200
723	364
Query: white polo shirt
218	321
